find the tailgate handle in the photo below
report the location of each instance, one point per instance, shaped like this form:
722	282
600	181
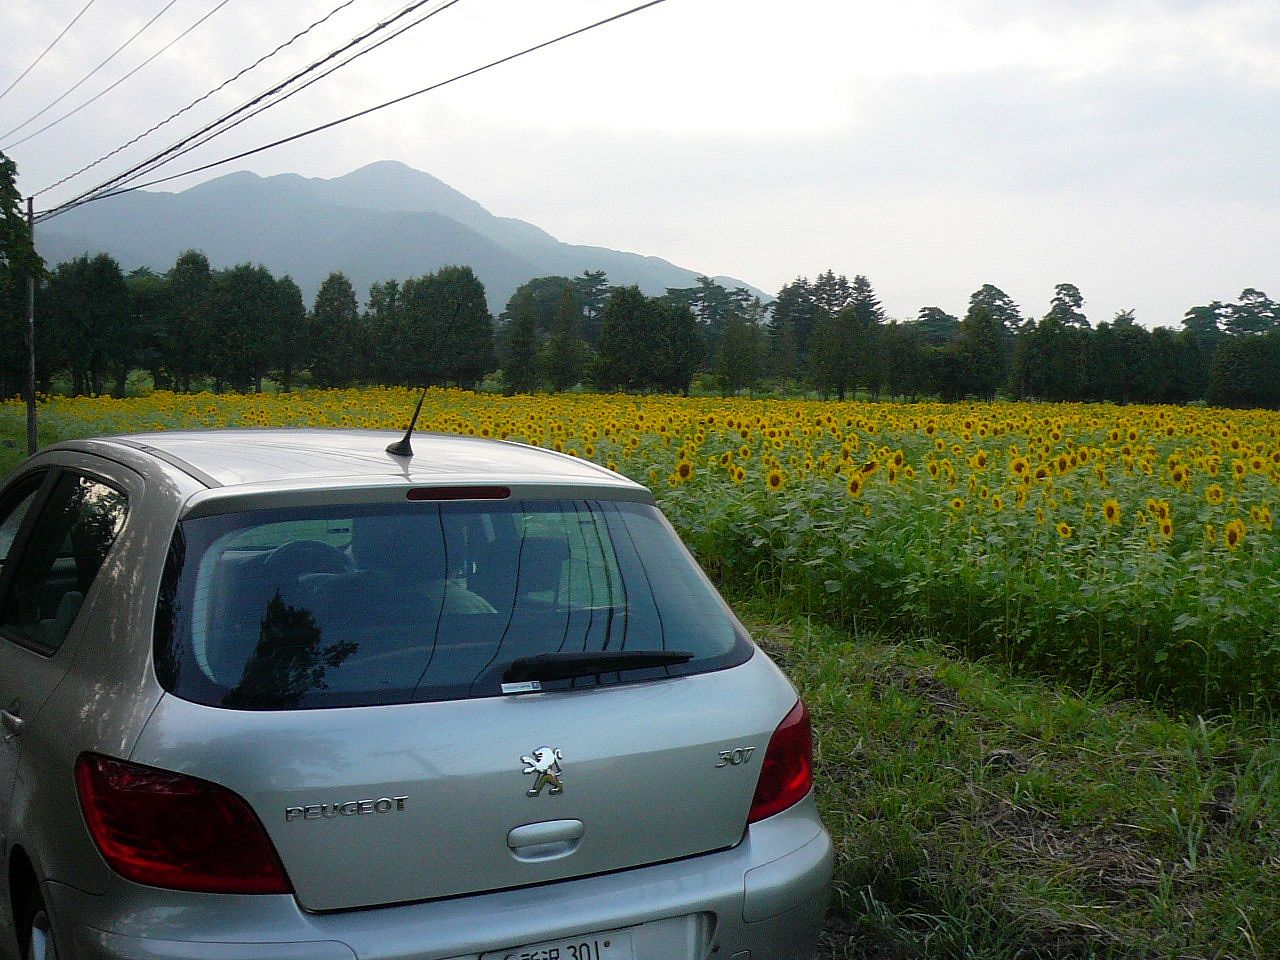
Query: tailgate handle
548	840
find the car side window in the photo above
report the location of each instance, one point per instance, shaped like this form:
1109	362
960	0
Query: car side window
12	520
60	560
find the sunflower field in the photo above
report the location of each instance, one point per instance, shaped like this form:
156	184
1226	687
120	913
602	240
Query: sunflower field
1129	547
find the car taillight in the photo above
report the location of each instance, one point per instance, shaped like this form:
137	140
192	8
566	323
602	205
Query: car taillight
786	775
170	830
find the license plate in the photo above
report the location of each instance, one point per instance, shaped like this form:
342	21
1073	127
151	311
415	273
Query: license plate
615	945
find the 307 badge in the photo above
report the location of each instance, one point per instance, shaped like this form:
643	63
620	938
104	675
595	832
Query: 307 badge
601	946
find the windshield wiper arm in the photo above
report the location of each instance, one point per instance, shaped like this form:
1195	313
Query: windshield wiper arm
566	666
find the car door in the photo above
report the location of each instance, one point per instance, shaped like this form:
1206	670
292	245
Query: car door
56	527
16	517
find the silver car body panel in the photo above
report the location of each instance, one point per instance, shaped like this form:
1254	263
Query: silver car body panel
639	765
704	896
764	889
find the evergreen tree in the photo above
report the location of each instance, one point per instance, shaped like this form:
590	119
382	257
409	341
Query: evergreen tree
335	331
244	348
591	290
148	305
628	338
937	327
460	327
289	326
679	347
564	358
18	261
1066	307
794	316
1254	313
188	329
521	344
386	340
737	362
89	317
906	368
1246	372
980	353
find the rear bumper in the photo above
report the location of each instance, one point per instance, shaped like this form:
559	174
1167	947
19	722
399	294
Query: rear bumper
766	895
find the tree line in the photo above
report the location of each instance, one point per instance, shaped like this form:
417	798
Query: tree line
194	327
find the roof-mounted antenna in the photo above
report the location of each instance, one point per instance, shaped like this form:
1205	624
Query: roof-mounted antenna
402	447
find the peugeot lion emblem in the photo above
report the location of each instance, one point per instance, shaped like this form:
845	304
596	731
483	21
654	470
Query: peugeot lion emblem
545	766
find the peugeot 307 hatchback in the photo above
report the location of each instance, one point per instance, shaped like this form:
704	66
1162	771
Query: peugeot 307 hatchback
286	695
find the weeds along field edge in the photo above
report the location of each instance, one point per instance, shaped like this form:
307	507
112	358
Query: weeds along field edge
1128	547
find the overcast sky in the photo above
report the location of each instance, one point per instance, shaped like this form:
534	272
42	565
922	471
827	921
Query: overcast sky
1131	148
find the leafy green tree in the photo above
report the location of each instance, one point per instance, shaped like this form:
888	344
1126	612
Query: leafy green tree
148	306
794	316
18	261
244	300
737	364
679	348
335	331
837	353
1205	324
980	352
906	367
1246	372
1003	312
628	335
289	329
521	345
1050	360
448	328
89	317
385	336
1105	367
188	329
565	355
937	327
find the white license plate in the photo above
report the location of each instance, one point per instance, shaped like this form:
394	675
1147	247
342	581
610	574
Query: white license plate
615	945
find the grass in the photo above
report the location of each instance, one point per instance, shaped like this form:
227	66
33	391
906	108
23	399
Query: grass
981	815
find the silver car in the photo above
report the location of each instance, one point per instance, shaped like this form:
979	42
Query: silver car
286	695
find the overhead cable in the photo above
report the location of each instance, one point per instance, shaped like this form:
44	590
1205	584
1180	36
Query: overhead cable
156	160
70	205
261	107
103	93
76	86
196	102
51	45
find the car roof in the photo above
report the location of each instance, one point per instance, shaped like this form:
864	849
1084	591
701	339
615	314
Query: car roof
301	457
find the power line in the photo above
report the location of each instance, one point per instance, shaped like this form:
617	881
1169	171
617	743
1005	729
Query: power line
70	205
196	102
287	94
103	93
76	86
52	44
156	160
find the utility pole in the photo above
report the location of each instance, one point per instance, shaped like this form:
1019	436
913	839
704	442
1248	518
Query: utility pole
31	336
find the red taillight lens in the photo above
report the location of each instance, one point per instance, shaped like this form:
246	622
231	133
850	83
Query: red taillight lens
170	830
786	775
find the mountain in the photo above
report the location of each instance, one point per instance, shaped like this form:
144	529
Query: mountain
383	221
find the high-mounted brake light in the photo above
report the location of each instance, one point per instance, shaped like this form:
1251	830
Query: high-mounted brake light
459	493
170	830
786	775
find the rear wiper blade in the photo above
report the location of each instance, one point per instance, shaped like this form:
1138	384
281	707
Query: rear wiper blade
525	673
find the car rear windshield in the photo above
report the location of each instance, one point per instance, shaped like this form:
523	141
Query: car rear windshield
392	603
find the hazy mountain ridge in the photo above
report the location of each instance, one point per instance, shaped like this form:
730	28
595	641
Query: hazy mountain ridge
383	221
